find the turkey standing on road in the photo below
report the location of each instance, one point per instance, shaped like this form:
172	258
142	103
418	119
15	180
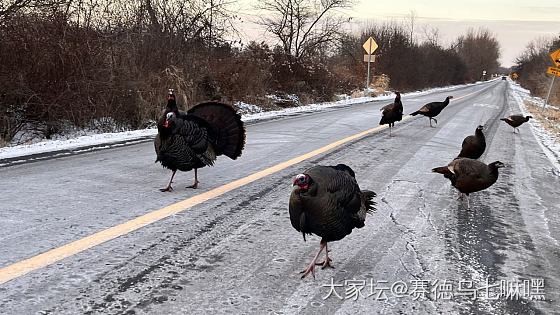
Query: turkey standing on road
327	201
473	146
516	121
392	112
432	109
194	139
468	175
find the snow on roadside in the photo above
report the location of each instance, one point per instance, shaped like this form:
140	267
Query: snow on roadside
250	113
547	141
75	143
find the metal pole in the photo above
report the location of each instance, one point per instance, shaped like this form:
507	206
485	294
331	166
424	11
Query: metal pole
368	67
548	95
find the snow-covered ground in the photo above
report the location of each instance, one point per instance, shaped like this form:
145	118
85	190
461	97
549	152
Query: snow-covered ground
250	113
548	142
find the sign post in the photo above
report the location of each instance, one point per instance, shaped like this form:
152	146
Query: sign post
370	46
555	56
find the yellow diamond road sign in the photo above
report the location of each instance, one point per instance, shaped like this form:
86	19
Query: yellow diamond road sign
556	57
370	46
553	71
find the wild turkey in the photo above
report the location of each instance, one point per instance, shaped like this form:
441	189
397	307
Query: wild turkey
432	109
194	139
327	201
473	146
516	121
392	112
468	175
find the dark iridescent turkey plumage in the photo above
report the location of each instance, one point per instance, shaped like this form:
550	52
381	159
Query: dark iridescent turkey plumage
327	201
432	109
194	139
473	146
516	121
468	175
392	112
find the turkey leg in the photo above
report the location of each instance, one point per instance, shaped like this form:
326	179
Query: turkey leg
431	121
327	262
311	267
468	204
169	188
195	185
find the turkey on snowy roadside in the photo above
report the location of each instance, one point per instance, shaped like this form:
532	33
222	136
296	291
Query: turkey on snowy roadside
432	109
516	121
392	112
468	175
194	139
327	201
473	146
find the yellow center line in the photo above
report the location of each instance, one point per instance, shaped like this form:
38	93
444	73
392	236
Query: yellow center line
42	260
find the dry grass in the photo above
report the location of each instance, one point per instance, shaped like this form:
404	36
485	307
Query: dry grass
550	118
378	85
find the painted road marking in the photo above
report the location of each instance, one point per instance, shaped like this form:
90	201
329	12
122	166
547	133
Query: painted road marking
42	260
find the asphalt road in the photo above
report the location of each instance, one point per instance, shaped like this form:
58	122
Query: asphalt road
237	253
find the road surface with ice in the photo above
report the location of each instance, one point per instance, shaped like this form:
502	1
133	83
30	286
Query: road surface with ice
237	253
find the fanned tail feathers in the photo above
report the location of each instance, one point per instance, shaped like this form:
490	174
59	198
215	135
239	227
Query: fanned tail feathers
228	128
368	196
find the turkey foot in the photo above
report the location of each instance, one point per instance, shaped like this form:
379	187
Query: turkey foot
169	188
195	185
311	267
326	263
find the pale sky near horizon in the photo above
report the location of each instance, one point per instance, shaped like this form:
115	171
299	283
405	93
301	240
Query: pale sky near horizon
515	23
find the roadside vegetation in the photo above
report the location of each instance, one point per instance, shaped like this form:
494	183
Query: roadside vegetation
531	67
106	65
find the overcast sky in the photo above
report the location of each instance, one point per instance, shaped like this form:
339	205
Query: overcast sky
515	23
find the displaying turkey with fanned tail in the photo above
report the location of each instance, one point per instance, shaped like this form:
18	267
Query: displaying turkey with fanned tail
516	121
468	175
473	146
392	112
327	201
193	139
432	109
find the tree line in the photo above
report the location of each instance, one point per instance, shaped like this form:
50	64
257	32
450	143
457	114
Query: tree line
79	62
531	68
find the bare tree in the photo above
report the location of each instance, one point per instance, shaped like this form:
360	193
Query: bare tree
9	7
431	34
302	26
411	20
480	50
